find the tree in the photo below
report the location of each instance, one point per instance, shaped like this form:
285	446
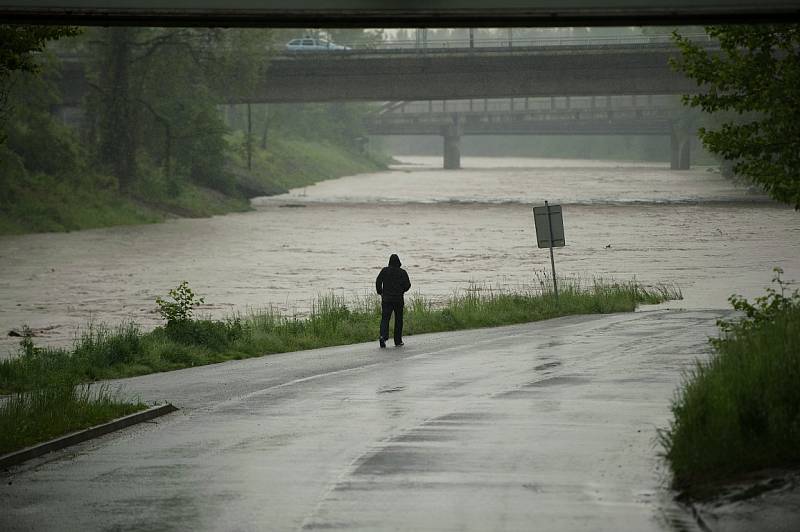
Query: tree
19	46
118	140
155	97
756	75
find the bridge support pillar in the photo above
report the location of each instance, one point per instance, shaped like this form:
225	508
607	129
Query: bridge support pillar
680	144
452	145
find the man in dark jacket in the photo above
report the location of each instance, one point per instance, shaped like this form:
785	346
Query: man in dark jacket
391	284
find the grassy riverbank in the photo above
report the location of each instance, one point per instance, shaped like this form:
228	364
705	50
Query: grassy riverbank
45	401
126	350
31	203
739	412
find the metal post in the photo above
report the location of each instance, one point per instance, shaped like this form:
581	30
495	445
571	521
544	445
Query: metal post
552	260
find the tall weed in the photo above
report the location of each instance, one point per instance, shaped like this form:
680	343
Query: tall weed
44	413
740	410
101	352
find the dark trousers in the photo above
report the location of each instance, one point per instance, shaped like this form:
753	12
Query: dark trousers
387	307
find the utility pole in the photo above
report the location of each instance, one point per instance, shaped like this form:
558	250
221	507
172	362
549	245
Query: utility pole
249	137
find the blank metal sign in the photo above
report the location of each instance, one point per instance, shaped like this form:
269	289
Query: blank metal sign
543	222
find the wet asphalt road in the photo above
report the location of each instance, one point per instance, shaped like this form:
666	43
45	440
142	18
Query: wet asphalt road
543	426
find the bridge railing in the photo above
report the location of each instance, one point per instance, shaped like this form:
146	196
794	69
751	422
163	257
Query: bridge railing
536	42
434	45
558	103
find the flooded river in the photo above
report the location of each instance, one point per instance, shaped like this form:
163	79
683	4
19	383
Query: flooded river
450	228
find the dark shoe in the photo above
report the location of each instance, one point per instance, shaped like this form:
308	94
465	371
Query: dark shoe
398	344
382	342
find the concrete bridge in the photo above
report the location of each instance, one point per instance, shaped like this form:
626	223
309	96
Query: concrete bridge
526	73
409	14
451	73
619	115
472	73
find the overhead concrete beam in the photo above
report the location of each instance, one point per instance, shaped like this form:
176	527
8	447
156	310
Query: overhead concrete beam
407	13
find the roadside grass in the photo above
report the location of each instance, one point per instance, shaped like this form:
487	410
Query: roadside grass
739	411
125	350
42	414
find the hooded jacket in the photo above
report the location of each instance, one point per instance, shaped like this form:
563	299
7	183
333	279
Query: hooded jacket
393	281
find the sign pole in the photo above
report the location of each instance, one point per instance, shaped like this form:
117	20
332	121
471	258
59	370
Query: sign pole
550	233
552	260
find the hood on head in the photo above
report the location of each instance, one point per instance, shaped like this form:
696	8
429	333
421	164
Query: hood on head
394	260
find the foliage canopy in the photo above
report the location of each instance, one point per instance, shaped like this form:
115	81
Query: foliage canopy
19	46
20	43
756	75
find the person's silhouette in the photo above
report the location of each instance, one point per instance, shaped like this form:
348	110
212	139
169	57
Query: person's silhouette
391	284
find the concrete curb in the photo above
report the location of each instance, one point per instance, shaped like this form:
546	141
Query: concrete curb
17	457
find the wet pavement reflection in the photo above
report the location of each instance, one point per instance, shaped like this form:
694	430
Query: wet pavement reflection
547	426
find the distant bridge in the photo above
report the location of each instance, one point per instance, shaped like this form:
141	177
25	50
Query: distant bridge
451	74
535	116
463	73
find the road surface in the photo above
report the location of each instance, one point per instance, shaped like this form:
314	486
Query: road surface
542	426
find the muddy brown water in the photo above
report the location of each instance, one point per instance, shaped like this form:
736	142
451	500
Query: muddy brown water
451	228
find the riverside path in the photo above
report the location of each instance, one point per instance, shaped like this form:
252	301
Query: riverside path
542	426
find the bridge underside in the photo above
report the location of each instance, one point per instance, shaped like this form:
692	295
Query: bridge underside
680	146
529	127
451	127
409	14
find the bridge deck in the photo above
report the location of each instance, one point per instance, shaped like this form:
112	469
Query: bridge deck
390	75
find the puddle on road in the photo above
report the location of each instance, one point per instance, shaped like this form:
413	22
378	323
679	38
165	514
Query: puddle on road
426	434
461	418
394	389
558	381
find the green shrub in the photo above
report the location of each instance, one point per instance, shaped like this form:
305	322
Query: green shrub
740	410
182	306
213	335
